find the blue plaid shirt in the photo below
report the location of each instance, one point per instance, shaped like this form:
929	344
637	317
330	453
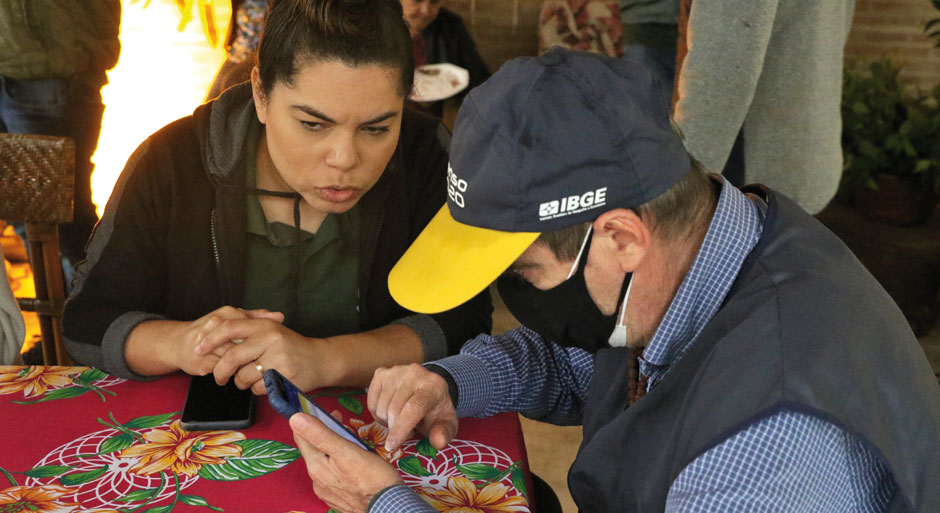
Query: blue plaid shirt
790	461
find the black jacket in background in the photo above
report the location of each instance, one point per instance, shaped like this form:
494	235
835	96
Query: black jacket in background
446	39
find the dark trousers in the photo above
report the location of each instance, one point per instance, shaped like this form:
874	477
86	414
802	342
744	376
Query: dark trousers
660	61
64	107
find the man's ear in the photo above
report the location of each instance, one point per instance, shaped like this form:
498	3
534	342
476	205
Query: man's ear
257	93
626	235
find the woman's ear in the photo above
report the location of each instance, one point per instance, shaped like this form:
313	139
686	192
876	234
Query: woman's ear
257	93
625	235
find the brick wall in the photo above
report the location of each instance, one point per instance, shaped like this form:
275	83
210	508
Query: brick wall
504	29
894	28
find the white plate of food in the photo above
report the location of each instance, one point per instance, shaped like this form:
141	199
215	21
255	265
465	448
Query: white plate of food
435	82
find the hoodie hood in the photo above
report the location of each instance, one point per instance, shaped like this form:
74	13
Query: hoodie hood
222	127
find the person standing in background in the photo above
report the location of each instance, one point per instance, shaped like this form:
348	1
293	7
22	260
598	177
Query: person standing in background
650	33
53	59
772	71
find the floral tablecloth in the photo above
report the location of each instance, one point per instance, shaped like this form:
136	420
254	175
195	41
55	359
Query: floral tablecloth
77	440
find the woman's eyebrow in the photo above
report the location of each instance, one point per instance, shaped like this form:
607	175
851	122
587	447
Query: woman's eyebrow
381	117
306	109
310	111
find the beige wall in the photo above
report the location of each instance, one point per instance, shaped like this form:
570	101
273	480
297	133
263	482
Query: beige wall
502	29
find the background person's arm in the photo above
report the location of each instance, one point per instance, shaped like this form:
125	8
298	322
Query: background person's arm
727	44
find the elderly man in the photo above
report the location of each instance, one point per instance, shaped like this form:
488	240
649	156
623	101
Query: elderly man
722	349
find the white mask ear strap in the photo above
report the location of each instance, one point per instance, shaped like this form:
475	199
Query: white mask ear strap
623	308
574	267
619	336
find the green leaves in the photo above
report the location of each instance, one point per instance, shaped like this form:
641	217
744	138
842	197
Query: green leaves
889	128
259	457
83	382
351	403
149	421
426	449
479	471
412	465
90	376
82	477
518	480
932	27
61	393
139	495
116	443
195	500
48	471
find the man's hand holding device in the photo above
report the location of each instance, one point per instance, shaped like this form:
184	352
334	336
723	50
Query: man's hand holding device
330	450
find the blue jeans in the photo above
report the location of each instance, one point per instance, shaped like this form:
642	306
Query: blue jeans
64	107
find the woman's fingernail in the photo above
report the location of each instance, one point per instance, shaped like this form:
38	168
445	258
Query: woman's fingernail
390	443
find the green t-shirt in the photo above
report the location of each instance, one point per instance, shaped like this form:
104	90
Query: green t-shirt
328	291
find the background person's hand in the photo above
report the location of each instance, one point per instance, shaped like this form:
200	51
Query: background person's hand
409	397
344	476
266	342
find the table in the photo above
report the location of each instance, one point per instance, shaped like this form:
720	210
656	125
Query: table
75	439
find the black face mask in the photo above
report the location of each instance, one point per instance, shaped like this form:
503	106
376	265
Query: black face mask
564	314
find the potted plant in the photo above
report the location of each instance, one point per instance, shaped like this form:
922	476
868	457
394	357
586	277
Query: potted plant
891	145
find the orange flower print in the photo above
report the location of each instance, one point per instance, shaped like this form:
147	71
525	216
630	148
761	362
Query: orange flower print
33	381
41	499
462	496
181	451
374	436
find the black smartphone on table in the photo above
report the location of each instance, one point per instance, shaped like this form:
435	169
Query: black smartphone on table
287	399
211	406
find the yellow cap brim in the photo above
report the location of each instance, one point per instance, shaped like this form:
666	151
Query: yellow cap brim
451	262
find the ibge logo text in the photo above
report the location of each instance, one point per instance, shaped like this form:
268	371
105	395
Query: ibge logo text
572	204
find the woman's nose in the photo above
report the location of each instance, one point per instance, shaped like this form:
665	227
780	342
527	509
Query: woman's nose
342	153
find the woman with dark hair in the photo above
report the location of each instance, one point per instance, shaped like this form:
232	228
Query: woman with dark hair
259	231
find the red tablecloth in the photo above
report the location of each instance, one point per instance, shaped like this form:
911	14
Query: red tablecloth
74	439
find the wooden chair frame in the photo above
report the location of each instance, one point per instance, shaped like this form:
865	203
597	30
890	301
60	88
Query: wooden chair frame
37	187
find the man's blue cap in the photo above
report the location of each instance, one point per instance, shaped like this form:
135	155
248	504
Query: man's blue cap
545	143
